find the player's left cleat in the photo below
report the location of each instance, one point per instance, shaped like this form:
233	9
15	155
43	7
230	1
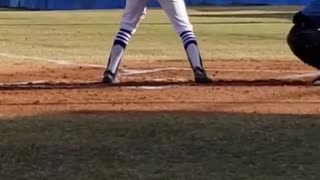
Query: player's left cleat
201	77
110	78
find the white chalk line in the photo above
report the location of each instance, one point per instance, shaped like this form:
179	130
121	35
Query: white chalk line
62	62
152	87
24	83
48	60
299	76
130	72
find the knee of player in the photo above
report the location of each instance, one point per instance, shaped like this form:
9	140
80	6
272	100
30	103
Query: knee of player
182	27
129	26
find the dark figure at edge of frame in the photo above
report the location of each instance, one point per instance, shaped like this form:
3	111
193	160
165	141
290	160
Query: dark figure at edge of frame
304	37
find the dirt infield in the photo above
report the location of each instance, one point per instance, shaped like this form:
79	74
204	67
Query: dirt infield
248	86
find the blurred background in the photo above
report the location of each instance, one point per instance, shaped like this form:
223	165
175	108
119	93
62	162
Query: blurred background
114	4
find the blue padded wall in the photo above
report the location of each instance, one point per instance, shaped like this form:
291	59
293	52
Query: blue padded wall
4	3
14	3
33	4
113	4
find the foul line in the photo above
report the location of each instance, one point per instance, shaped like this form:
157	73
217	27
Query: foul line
62	62
298	76
55	61
128	72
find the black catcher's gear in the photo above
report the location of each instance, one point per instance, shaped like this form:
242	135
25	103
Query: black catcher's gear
304	39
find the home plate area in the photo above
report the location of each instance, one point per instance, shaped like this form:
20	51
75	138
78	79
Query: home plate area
272	87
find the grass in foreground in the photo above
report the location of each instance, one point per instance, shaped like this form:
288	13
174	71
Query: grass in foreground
86	36
160	146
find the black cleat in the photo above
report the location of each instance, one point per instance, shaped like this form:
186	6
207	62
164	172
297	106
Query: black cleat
110	78
201	77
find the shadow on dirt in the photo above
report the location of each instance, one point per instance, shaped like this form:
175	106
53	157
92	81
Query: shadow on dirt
154	84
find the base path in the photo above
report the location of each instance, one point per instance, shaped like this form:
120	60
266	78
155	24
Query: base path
264	87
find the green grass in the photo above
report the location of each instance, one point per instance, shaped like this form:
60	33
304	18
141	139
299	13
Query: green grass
160	145
86	36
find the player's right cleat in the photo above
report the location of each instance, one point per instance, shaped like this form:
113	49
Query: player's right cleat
110	78
201	77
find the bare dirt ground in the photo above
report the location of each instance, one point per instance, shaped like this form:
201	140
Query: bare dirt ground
247	86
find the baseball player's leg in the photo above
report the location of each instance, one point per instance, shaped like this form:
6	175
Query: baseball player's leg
134	10
177	13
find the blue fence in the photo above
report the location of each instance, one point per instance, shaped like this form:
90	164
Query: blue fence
113	4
